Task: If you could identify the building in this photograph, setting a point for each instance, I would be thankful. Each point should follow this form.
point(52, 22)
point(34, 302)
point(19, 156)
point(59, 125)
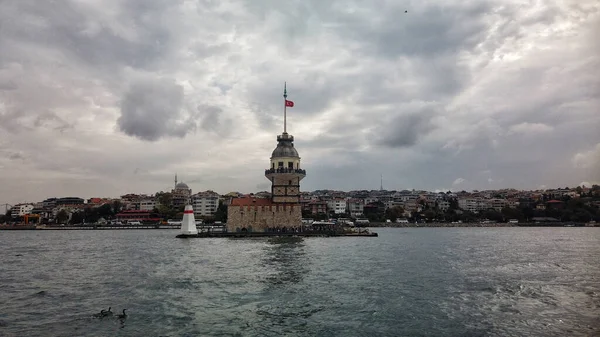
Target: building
point(147, 204)
point(205, 203)
point(337, 205)
point(283, 209)
point(316, 207)
point(135, 215)
point(355, 207)
point(69, 201)
point(182, 194)
point(21, 210)
point(443, 205)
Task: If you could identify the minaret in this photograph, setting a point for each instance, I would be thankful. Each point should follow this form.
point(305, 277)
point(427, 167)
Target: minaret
point(285, 172)
point(175, 180)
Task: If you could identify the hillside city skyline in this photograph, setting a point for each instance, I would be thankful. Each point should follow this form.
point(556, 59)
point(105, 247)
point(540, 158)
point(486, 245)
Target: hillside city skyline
point(90, 196)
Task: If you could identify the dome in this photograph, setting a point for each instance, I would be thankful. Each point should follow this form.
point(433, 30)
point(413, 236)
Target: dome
point(182, 186)
point(285, 147)
point(284, 150)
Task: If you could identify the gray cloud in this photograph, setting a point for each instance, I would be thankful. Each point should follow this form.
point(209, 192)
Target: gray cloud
point(214, 119)
point(153, 108)
point(498, 95)
point(405, 129)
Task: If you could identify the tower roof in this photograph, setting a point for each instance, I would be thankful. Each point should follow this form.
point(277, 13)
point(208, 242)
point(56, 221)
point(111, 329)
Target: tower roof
point(285, 147)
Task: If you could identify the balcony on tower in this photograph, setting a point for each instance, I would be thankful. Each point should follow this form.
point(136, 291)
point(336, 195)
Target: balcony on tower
point(285, 170)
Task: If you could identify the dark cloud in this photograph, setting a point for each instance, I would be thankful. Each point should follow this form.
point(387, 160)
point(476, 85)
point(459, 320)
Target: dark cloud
point(16, 156)
point(7, 85)
point(214, 119)
point(404, 130)
point(50, 119)
point(153, 108)
point(135, 39)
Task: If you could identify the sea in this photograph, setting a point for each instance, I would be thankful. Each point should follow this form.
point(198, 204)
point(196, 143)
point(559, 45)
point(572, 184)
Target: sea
point(406, 282)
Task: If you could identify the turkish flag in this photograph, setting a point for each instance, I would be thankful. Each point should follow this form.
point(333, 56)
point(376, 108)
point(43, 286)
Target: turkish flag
point(289, 103)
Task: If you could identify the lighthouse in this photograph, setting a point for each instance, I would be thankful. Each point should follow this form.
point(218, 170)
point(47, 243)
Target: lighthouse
point(188, 224)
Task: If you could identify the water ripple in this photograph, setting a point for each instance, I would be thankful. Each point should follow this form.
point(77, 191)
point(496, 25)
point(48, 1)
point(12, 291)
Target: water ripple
point(414, 282)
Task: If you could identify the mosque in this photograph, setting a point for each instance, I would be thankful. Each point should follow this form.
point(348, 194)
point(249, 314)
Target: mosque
point(283, 209)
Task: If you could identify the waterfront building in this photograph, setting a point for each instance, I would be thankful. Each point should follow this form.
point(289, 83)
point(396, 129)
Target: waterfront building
point(317, 207)
point(283, 209)
point(337, 205)
point(21, 210)
point(205, 203)
point(146, 204)
point(135, 215)
point(355, 207)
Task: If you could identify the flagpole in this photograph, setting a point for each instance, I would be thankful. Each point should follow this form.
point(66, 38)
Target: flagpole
point(284, 107)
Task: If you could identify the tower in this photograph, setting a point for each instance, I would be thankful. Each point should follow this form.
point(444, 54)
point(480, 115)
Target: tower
point(285, 172)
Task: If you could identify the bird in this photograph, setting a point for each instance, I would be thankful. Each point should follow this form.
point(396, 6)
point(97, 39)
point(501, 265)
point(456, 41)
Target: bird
point(107, 313)
point(124, 315)
point(101, 314)
point(405, 11)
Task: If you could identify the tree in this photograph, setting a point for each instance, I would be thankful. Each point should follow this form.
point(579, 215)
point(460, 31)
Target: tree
point(106, 211)
point(62, 216)
point(117, 206)
point(221, 213)
point(76, 218)
point(394, 213)
point(453, 204)
point(513, 213)
point(429, 214)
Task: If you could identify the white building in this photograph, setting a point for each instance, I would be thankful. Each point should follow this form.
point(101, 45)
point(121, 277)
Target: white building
point(472, 204)
point(443, 205)
point(146, 204)
point(20, 210)
point(205, 203)
point(497, 204)
point(355, 207)
point(338, 206)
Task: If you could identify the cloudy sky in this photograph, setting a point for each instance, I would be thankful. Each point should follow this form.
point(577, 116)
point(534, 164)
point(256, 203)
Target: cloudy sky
point(106, 97)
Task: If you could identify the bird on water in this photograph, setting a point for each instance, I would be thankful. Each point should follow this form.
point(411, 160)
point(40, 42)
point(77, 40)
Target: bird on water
point(108, 313)
point(124, 315)
point(100, 314)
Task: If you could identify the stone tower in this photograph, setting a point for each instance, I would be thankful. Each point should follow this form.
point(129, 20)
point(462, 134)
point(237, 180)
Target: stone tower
point(283, 210)
point(285, 172)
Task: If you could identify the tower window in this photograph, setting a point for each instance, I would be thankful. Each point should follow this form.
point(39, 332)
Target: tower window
point(273, 165)
point(280, 164)
point(290, 165)
point(290, 182)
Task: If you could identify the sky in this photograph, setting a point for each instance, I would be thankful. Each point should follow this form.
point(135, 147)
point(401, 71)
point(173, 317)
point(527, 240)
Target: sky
point(99, 98)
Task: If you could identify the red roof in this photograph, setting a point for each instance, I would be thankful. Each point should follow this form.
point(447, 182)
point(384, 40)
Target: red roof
point(251, 202)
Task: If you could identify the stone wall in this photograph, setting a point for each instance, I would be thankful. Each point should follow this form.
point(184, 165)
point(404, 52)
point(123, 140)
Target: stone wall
point(289, 199)
point(258, 218)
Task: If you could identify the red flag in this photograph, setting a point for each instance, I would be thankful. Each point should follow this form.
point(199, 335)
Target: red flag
point(289, 103)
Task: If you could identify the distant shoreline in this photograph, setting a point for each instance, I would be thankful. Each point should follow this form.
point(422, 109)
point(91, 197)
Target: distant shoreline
point(473, 224)
point(372, 225)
